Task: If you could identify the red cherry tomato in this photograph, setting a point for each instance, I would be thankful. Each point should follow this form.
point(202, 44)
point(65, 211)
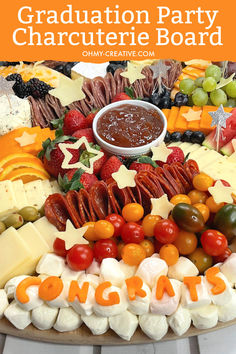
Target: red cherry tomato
point(225, 183)
point(132, 233)
point(117, 221)
point(105, 248)
point(59, 247)
point(79, 257)
point(166, 231)
point(222, 257)
point(213, 242)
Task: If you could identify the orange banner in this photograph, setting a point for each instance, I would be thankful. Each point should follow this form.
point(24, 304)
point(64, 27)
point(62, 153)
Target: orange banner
point(98, 31)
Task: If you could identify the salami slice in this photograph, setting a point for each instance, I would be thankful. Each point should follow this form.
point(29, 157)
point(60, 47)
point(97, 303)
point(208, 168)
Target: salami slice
point(85, 208)
point(57, 210)
point(118, 197)
point(99, 199)
point(73, 203)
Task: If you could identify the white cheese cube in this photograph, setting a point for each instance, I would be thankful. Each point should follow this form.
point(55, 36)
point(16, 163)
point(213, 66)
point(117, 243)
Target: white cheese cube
point(205, 317)
point(44, 317)
point(17, 316)
point(3, 302)
point(47, 230)
point(51, 264)
point(97, 324)
point(67, 320)
point(8, 200)
point(110, 270)
point(203, 296)
point(154, 326)
point(35, 193)
point(180, 321)
point(124, 324)
point(182, 268)
point(20, 195)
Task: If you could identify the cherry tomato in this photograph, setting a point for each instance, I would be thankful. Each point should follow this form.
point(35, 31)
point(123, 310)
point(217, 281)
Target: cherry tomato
point(117, 221)
point(105, 248)
point(197, 196)
point(204, 210)
point(59, 247)
point(180, 198)
point(225, 183)
point(120, 246)
point(213, 242)
point(186, 242)
point(149, 223)
point(202, 182)
point(187, 217)
point(166, 231)
point(169, 253)
point(103, 229)
point(213, 206)
point(79, 257)
point(222, 257)
point(132, 212)
point(148, 246)
point(201, 260)
point(132, 233)
point(133, 254)
point(90, 234)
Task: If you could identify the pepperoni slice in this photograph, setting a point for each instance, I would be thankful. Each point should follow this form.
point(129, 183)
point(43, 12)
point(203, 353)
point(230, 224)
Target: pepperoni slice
point(85, 208)
point(118, 197)
point(73, 203)
point(56, 210)
point(99, 200)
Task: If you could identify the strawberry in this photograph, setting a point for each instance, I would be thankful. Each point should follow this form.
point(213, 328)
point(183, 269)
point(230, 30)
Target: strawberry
point(143, 163)
point(177, 155)
point(86, 156)
point(87, 132)
point(76, 179)
point(90, 117)
point(110, 166)
point(120, 97)
point(74, 120)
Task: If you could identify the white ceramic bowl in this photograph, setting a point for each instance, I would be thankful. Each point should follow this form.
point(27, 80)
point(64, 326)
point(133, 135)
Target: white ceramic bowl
point(124, 151)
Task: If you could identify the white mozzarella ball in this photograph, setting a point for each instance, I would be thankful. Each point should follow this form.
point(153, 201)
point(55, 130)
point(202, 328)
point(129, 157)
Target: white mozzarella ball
point(44, 317)
point(140, 305)
point(97, 324)
point(94, 268)
point(85, 309)
point(225, 296)
point(69, 274)
point(180, 321)
point(124, 324)
point(204, 317)
point(61, 300)
point(110, 270)
point(93, 279)
point(228, 268)
point(67, 320)
point(127, 269)
point(17, 316)
point(168, 304)
point(34, 299)
point(51, 264)
point(150, 269)
point(203, 295)
point(3, 302)
point(227, 312)
point(154, 326)
point(182, 268)
point(12, 284)
point(112, 310)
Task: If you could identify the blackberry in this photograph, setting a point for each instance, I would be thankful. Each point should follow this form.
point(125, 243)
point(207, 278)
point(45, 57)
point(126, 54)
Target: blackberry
point(37, 88)
point(22, 90)
point(15, 77)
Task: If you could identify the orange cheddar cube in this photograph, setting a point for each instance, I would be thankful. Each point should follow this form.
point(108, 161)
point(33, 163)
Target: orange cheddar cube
point(181, 123)
point(195, 124)
point(172, 119)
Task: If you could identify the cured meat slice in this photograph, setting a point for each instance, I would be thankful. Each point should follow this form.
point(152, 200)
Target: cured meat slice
point(85, 208)
point(57, 210)
point(118, 197)
point(99, 200)
point(174, 183)
point(73, 203)
point(179, 173)
point(191, 168)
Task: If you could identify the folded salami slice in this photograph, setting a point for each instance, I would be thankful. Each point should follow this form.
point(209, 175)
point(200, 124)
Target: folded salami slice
point(175, 185)
point(118, 197)
point(99, 200)
point(86, 211)
point(191, 168)
point(179, 173)
point(73, 203)
point(57, 210)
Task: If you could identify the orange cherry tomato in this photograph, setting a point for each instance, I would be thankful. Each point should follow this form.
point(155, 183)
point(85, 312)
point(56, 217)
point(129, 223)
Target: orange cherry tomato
point(201, 260)
point(204, 210)
point(213, 206)
point(202, 182)
point(197, 196)
point(132, 212)
point(133, 254)
point(148, 246)
point(186, 242)
point(103, 229)
point(149, 223)
point(120, 247)
point(180, 198)
point(169, 253)
point(90, 234)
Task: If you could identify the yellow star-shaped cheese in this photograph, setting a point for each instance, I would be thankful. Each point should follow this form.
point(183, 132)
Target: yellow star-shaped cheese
point(192, 115)
point(68, 156)
point(161, 206)
point(124, 177)
point(68, 90)
point(221, 193)
point(232, 157)
point(72, 236)
point(160, 152)
point(26, 139)
point(133, 72)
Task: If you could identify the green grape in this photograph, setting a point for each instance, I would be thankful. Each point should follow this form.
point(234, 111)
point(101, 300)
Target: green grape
point(224, 88)
point(218, 97)
point(190, 101)
point(186, 86)
point(200, 97)
point(198, 82)
point(213, 71)
point(231, 89)
point(209, 84)
point(230, 103)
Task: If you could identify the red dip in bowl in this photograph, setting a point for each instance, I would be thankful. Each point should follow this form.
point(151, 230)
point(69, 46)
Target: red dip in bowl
point(129, 126)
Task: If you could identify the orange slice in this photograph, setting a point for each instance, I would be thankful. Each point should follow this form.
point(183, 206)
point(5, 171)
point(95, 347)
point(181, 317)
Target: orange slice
point(18, 165)
point(26, 175)
point(18, 157)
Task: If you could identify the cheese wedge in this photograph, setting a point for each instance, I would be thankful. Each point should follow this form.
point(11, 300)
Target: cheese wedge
point(47, 230)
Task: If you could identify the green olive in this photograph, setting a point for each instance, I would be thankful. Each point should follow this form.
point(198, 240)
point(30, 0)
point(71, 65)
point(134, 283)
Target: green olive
point(41, 211)
point(15, 220)
point(29, 213)
point(2, 227)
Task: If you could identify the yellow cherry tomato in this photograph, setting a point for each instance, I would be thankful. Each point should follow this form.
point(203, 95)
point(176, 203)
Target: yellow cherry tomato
point(169, 253)
point(103, 229)
point(213, 206)
point(180, 198)
point(132, 212)
point(197, 196)
point(90, 234)
point(148, 246)
point(120, 247)
point(133, 254)
point(201, 260)
point(149, 223)
point(202, 182)
point(204, 210)
point(186, 242)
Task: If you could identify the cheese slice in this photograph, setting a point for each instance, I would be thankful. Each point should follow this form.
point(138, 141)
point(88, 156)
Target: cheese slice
point(35, 193)
point(47, 230)
point(209, 158)
point(20, 195)
point(198, 153)
point(8, 203)
point(15, 256)
point(46, 187)
point(55, 187)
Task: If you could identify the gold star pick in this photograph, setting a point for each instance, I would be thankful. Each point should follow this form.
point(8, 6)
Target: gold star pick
point(68, 156)
point(72, 236)
point(161, 206)
point(26, 139)
point(160, 152)
point(124, 177)
point(192, 115)
point(133, 72)
point(68, 90)
point(221, 193)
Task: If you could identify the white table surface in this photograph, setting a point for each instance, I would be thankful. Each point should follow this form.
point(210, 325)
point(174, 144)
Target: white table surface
point(219, 342)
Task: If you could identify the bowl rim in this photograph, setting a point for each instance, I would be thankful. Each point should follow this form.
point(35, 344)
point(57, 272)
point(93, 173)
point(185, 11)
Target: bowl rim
point(121, 149)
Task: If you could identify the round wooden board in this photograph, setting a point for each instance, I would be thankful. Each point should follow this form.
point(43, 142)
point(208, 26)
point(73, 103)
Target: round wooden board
point(83, 335)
